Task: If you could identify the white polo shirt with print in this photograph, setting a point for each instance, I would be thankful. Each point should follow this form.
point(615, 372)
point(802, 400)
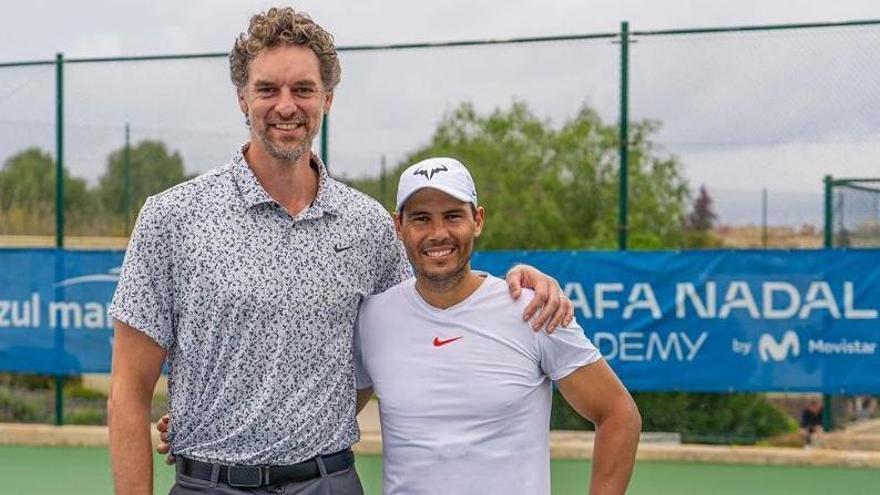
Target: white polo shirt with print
point(464, 392)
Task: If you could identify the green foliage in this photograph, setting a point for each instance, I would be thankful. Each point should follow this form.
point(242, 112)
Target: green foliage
point(27, 191)
point(80, 392)
point(27, 195)
point(738, 418)
point(699, 221)
point(86, 416)
point(545, 187)
point(14, 408)
point(35, 382)
point(152, 169)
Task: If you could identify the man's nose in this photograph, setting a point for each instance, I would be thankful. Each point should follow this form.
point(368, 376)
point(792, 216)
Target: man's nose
point(286, 105)
point(439, 230)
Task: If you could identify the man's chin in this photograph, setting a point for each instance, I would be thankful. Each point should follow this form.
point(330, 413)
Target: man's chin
point(436, 276)
point(285, 153)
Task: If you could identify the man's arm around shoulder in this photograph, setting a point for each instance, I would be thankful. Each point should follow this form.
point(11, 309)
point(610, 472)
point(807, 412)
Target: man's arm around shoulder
point(137, 364)
point(595, 392)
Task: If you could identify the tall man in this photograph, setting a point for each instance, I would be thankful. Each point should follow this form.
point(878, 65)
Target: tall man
point(464, 387)
point(248, 279)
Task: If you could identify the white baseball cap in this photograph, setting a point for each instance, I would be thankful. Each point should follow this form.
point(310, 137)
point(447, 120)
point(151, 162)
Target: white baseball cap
point(442, 173)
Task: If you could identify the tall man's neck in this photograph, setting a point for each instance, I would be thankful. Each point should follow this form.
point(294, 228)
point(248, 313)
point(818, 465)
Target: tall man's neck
point(448, 292)
point(292, 185)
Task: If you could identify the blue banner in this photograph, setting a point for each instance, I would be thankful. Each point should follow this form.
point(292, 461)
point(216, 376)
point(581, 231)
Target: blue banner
point(717, 320)
point(725, 320)
point(53, 310)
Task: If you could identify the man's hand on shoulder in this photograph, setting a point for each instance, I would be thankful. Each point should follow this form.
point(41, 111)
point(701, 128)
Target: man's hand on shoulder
point(556, 309)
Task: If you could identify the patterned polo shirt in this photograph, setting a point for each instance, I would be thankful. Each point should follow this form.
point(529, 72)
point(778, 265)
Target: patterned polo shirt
point(256, 309)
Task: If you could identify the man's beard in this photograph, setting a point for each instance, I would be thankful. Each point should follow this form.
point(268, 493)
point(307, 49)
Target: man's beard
point(445, 281)
point(284, 154)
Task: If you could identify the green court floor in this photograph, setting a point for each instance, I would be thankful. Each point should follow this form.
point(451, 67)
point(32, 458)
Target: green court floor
point(81, 471)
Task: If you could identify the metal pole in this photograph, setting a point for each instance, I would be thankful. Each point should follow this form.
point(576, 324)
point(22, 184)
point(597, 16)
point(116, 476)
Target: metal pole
point(829, 216)
point(622, 221)
point(59, 150)
point(383, 185)
point(764, 217)
point(126, 166)
point(325, 131)
point(59, 208)
point(827, 413)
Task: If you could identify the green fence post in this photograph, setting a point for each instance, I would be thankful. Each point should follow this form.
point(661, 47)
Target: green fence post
point(59, 202)
point(59, 150)
point(622, 221)
point(325, 131)
point(827, 406)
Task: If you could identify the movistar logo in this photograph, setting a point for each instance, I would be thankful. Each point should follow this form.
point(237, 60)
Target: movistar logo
point(112, 275)
point(770, 349)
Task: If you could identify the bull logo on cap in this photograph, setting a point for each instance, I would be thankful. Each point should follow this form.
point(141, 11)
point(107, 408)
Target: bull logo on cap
point(430, 173)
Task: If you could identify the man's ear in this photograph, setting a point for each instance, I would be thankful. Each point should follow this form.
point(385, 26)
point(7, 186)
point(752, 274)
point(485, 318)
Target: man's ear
point(479, 217)
point(242, 100)
point(398, 224)
point(328, 101)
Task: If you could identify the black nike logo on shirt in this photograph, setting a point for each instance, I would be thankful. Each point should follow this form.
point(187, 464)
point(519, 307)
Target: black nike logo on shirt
point(339, 249)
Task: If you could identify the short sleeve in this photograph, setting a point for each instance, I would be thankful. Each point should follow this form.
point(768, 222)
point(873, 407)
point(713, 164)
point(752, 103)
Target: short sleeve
point(566, 350)
point(144, 293)
point(394, 266)
point(362, 379)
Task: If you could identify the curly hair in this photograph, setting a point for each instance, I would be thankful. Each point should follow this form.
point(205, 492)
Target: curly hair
point(284, 26)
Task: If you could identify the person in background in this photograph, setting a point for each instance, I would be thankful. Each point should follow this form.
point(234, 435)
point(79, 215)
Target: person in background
point(811, 421)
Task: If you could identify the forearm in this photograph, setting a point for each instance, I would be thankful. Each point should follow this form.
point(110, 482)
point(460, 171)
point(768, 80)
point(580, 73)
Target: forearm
point(614, 452)
point(130, 449)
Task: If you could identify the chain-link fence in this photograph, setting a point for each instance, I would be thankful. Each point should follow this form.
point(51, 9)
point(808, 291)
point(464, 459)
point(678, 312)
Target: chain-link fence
point(854, 212)
point(755, 114)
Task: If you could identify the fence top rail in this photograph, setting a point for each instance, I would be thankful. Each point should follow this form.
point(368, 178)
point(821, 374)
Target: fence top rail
point(764, 27)
point(854, 180)
point(476, 42)
point(29, 63)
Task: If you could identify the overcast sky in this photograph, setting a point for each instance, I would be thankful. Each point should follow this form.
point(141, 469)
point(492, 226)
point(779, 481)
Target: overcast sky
point(744, 112)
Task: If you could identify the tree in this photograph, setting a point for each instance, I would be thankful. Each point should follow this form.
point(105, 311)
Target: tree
point(699, 222)
point(27, 195)
point(702, 217)
point(557, 188)
point(152, 170)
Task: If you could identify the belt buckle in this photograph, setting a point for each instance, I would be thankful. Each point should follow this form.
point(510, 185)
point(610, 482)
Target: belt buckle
point(248, 476)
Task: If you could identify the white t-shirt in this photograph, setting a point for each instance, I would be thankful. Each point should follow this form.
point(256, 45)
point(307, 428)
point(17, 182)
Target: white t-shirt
point(464, 393)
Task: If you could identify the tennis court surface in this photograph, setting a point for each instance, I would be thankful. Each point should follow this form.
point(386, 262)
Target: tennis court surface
point(85, 470)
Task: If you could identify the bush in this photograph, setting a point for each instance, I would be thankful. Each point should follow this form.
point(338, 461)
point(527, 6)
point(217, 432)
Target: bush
point(17, 409)
point(91, 416)
point(35, 382)
point(80, 392)
point(700, 417)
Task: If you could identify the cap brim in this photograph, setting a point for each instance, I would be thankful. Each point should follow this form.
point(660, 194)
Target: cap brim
point(448, 190)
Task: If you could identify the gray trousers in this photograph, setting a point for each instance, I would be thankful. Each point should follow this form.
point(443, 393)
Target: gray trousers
point(345, 482)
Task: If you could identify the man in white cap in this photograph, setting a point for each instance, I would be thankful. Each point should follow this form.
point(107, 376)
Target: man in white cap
point(464, 384)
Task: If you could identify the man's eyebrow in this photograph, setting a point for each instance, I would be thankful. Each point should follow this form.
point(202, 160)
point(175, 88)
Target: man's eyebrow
point(302, 83)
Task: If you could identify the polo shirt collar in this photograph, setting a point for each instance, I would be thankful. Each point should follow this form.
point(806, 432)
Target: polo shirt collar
point(253, 194)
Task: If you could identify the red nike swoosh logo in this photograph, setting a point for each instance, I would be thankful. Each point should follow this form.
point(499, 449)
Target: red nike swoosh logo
point(438, 342)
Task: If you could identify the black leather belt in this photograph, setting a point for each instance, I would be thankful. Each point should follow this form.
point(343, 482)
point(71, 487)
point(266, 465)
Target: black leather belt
point(256, 476)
